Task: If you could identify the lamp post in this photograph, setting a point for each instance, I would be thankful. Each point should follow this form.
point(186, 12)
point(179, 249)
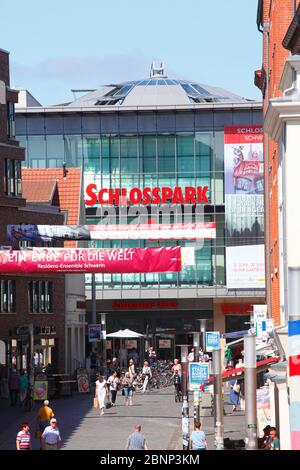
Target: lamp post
point(197, 394)
point(185, 402)
point(218, 400)
point(202, 331)
point(196, 345)
point(250, 391)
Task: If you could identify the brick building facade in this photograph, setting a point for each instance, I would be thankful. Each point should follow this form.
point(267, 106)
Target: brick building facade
point(273, 20)
point(25, 300)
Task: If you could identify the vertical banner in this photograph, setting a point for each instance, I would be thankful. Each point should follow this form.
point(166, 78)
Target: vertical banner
point(244, 205)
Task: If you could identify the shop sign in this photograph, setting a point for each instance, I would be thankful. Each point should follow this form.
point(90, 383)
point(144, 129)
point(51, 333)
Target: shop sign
point(212, 340)
point(144, 305)
point(198, 373)
point(240, 309)
point(146, 196)
point(164, 344)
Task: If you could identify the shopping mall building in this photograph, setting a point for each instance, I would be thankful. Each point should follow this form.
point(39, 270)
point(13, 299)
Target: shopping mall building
point(154, 133)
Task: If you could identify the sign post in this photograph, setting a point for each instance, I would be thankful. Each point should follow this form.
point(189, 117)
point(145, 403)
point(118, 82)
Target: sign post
point(212, 340)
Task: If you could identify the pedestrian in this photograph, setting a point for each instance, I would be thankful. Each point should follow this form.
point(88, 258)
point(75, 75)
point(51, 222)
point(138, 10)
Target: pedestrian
point(44, 416)
point(14, 387)
point(23, 386)
point(234, 393)
point(177, 367)
point(136, 440)
point(274, 439)
point(113, 382)
point(51, 438)
point(228, 355)
point(152, 356)
point(147, 374)
point(23, 440)
point(101, 393)
point(131, 369)
point(198, 439)
point(264, 442)
point(122, 357)
point(127, 388)
point(191, 356)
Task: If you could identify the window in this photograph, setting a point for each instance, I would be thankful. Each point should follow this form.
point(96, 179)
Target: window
point(11, 126)
point(40, 297)
point(8, 296)
point(12, 177)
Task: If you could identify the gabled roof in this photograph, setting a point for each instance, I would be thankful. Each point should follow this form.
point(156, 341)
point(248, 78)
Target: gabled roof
point(39, 191)
point(69, 187)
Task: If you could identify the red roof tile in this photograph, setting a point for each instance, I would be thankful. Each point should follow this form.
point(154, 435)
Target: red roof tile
point(68, 187)
point(38, 191)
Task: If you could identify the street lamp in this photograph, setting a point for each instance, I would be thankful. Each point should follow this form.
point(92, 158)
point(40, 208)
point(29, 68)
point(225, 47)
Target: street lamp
point(185, 402)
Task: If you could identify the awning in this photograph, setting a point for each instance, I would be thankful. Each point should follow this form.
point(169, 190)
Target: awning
point(124, 334)
point(238, 372)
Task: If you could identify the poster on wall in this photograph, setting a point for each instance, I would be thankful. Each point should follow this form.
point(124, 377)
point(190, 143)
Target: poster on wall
point(40, 390)
point(94, 333)
point(244, 206)
point(245, 267)
point(83, 381)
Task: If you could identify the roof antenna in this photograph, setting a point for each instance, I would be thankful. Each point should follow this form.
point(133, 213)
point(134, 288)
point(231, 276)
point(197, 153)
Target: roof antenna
point(65, 171)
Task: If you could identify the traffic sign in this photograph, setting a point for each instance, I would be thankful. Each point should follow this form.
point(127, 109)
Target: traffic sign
point(198, 373)
point(212, 340)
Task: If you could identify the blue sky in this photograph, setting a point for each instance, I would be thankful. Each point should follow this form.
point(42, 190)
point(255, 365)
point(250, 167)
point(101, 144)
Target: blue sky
point(62, 44)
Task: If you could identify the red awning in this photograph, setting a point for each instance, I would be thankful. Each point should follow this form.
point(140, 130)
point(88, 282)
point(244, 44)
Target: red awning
point(260, 366)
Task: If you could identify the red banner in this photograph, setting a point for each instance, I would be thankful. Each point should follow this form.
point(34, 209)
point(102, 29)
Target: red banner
point(127, 260)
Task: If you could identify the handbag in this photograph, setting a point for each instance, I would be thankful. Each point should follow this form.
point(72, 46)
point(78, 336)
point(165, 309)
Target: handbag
point(108, 405)
point(95, 402)
point(236, 387)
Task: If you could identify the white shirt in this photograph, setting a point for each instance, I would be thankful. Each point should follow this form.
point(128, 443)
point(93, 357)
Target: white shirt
point(191, 357)
point(101, 386)
point(113, 382)
point(51, 435)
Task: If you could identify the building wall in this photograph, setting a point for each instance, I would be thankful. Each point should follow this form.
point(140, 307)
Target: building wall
point(13, 209)
point(277, 15)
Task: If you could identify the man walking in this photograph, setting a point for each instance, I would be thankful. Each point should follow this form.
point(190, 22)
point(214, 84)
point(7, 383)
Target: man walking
point(51, 438)
point(136, 440)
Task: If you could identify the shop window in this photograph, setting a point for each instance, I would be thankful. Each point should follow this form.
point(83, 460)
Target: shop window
point(8, 296)
point(40, 297)
point(12, 177)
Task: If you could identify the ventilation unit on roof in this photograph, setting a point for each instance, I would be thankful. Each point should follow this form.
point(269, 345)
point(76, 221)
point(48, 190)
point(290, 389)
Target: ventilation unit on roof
point(157, 72)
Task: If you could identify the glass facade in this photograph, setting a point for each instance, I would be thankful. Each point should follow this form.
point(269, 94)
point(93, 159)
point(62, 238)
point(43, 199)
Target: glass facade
point(146, 149)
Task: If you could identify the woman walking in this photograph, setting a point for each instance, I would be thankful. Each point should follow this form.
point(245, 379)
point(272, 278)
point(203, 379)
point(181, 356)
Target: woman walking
point(127, 384)
point(234, 393)
point(101, 393)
